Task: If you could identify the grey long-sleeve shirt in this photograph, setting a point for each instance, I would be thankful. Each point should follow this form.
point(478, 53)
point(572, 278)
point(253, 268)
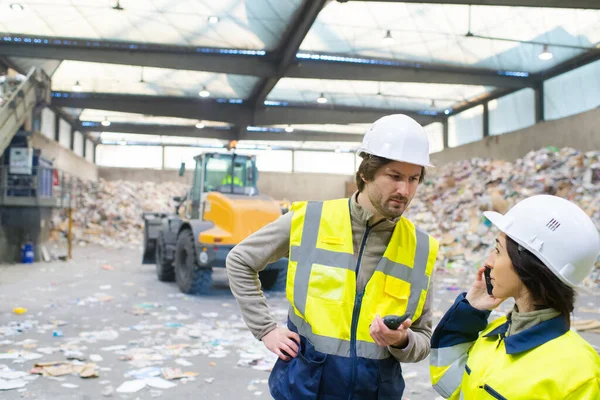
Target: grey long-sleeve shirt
point(272, 242)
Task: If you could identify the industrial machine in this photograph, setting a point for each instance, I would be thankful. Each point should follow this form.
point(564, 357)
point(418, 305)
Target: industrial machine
point(222, 208)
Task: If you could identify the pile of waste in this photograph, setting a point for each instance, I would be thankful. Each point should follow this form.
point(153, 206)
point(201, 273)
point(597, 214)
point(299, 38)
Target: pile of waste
point(451, 203)
point(109, 213)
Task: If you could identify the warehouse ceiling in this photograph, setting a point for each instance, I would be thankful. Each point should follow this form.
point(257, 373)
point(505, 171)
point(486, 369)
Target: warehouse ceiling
point(288, 70)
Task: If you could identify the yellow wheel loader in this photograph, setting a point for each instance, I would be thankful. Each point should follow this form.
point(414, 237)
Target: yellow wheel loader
point(222, 208)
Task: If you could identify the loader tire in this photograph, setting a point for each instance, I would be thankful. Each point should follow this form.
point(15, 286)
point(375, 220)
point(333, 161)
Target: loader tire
point(189, 276)
point(165, 272)
point(273, 280)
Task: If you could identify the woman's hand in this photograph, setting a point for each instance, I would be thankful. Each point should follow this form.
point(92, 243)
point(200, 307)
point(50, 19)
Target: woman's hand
point(478, 296)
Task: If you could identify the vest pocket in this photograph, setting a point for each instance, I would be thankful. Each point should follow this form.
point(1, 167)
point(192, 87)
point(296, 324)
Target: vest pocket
point(493, 393)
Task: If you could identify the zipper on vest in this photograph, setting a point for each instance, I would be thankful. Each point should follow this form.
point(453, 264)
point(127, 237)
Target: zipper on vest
point(492, 392)
point(357, 306)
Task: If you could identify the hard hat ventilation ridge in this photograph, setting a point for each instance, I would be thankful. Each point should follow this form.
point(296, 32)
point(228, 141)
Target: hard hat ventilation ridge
point(553, 224)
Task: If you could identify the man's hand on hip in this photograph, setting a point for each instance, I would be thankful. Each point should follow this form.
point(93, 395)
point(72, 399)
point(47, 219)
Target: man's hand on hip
point(281, 340)
point(384, 336)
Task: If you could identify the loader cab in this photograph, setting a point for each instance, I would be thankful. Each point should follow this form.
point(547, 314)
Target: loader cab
point(231, 174)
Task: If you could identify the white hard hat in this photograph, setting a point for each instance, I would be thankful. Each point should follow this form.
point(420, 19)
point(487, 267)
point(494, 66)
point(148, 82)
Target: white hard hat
point(397, 137)
point(556, 231)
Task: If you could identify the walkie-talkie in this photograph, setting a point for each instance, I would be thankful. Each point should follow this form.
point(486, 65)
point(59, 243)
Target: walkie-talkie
point(488, 280)
point(394, 321)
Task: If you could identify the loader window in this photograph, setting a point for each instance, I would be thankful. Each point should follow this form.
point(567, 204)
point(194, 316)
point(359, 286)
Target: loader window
point(224, 177)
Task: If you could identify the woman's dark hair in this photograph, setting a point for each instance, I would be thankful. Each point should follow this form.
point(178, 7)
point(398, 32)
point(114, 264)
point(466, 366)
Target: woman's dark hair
point(369, 167)
point(545, 288)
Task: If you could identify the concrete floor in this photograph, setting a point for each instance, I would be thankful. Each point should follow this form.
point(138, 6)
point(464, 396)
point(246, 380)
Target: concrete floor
point(91, 300)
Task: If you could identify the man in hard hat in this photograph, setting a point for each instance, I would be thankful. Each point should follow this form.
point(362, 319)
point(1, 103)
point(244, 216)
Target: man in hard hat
point(351, 263)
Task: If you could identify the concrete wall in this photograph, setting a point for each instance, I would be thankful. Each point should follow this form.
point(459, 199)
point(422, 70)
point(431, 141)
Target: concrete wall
point(581, 131)
point(65, 159)
point(279, 185)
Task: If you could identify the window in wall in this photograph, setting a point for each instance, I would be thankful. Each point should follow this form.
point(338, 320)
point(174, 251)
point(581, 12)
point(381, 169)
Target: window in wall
point(78, 144)
point(48, 121)
point(465, 127)
point(271, 160)
point(435, 135)
point(572, 92)
point(89, 150)
point(64, 134)
point(513, 112)
point(129, 156)
point(324, 162)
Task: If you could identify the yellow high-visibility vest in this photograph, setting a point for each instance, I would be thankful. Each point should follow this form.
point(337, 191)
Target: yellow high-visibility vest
point(545, 362)
point(321, 280)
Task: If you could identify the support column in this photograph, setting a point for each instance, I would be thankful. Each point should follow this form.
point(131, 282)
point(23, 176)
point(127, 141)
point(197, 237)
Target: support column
point(445, 133)
point(539, 103)
point(486, 120)
point(72, 144)
point(94, 153)
point(84, 145)
point(293, 161)
point(56, 127)
point(163, 158)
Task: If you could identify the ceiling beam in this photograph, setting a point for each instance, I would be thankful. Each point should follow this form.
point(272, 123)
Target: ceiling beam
point(591, 4)
point(214, 60)
point(539, 78)
point(222, 134)
point(569, 65)
point(162, 130)
point(235, 114)
point(422, 73)
point(139, 54)
point(288, 47)
point(166, 106)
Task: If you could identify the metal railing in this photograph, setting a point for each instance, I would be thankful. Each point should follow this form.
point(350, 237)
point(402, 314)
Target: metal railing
point(39, 187)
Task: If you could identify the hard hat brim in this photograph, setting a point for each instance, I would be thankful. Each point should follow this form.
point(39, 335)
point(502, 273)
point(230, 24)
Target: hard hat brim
point(360, 151)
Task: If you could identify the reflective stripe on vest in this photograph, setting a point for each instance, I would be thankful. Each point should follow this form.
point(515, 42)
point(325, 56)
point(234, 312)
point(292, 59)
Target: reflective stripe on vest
point(321, 284)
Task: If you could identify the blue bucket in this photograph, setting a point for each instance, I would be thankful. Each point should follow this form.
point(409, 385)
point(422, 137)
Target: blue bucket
point(27, 254)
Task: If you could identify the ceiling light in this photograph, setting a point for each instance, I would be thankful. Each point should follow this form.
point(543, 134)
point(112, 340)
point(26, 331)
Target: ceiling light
point(200, 125)
point(77, 87)
point(447, 112)
point(106, 122)
point(388, 40)
point(17, 7)
point(213, 20)
point(204, 92)
point(322, 99)
point(289, 129)
point(545, 54)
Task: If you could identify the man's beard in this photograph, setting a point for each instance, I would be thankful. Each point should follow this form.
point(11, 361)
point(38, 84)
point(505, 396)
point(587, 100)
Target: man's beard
point(382, 207)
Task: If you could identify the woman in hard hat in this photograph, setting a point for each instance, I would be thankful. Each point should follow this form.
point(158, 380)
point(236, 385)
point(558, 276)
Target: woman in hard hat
point(546, 248)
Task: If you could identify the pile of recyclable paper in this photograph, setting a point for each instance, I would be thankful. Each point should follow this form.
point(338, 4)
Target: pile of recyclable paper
point(451, 203)
point(109, 213)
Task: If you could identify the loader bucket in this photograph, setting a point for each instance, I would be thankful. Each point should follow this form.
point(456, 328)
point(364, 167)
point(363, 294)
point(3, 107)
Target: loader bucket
point(152, 226)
